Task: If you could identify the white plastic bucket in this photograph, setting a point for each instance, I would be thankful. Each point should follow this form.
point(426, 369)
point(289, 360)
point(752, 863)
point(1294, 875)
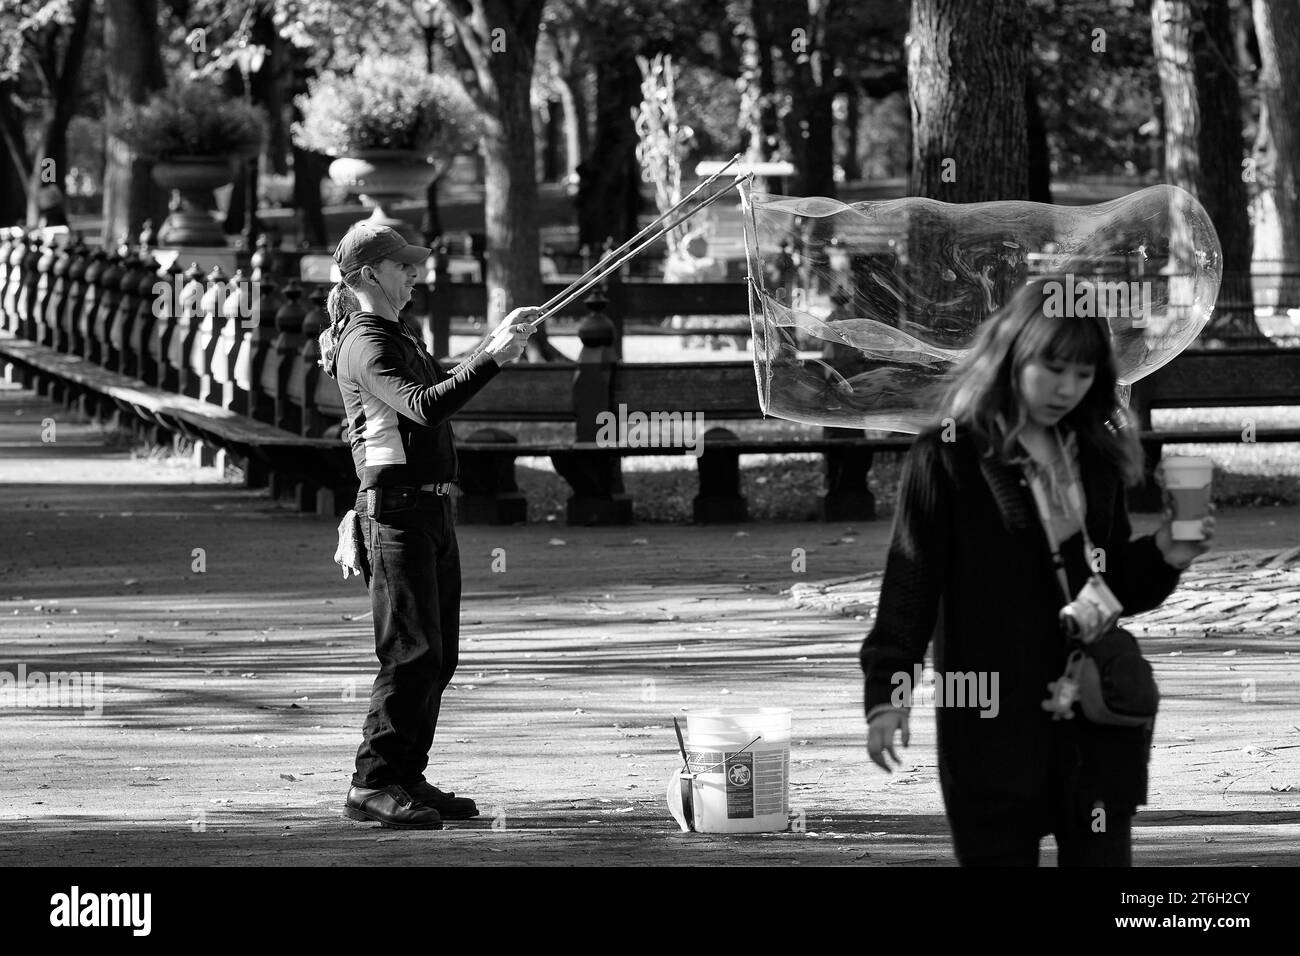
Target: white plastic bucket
point(739, 771)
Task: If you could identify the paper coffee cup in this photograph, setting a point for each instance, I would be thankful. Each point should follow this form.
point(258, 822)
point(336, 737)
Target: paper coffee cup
point(1187, 484)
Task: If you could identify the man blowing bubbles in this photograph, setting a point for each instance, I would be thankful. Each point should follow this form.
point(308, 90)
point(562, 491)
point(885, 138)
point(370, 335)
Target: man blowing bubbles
point(398, 403)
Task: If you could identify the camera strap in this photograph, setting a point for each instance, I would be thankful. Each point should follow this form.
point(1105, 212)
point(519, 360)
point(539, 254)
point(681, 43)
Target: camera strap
point(1074, 492)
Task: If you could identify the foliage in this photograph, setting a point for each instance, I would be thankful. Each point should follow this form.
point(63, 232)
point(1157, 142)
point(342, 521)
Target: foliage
point(386, 103)
point(1094, 74)
point(335, 34)
point(708, 102)
point(191, 119)
point(24, 21)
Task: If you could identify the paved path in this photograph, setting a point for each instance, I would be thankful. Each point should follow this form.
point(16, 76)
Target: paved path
point(233, 696)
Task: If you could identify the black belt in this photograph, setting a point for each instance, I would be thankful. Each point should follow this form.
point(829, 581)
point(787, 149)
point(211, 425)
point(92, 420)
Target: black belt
point(375, 501)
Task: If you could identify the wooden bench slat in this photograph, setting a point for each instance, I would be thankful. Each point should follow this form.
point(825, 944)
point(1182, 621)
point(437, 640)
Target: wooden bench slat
point(121, 388)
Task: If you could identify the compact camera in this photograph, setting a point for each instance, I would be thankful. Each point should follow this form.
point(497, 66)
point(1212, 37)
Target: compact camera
point(1093, 610)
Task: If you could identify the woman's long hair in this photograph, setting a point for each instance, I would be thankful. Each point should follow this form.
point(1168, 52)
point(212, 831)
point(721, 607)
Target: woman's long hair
point(340, 306)
point(984, 392)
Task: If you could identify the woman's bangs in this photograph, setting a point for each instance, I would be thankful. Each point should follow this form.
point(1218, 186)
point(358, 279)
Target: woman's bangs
point(1065, 339)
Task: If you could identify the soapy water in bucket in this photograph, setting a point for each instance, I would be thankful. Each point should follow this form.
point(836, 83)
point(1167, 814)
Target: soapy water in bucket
point(887, 296)
point(739, 772)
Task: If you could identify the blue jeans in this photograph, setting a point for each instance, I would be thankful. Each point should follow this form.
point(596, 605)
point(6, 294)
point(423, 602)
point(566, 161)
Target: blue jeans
point(413, 573)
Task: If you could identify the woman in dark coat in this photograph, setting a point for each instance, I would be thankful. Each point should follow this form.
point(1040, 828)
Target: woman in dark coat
point(970, 564)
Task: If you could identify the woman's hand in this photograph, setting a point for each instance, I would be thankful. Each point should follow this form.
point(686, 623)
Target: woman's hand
point(1180, 554)
point(880, 736)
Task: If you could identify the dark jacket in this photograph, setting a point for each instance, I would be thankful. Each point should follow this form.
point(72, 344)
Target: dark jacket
point(970, 564)
point(399, 402)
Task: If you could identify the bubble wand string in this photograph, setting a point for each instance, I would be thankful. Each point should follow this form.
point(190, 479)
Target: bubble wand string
point(723, 762)
point(612, 262)
point(650, 226)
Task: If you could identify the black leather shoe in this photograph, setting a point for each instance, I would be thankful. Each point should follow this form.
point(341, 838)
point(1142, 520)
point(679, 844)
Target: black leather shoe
point(448, 805)
point(392, 807)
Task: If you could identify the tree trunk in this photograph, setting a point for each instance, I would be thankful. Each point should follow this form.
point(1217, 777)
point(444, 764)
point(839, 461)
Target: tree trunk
point(1277, 149)
point(553, 136)
point(751, 21)
point(967, 73)
point(852, 123)
point(1203, 140)
point(54, 145)
point(233, 224)
point(819, 157)
point(498, 38)
point(609, 188)
point(510, 205)
point(269, 87)
point(573, 97)
point(308, 170)
point(431, 226)
point(1040, 157)
point(768, 132)
point(17, 161)
point(13, 199)
point(966, 77)
point(812, 84)
point(133, 69)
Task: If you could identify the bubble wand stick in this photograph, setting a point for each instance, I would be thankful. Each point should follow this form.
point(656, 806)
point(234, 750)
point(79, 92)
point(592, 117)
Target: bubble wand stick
point(617, 258)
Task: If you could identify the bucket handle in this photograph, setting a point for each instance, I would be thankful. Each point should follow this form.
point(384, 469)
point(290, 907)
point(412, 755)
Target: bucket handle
point(681, 785)
point(734, 752)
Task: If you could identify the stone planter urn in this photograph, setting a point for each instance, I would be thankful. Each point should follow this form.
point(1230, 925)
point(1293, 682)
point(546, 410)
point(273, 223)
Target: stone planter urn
point(192, 180)
point(382, 177)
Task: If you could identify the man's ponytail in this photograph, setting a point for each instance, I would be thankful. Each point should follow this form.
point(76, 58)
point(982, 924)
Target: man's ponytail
point(339, 307)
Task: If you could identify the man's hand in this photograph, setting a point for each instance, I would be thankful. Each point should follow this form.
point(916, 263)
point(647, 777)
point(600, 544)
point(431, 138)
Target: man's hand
point(881, 730)
point(508, 339)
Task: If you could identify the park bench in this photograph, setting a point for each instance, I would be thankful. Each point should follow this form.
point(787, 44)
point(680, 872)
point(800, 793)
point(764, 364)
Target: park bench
point(261, 449)
point(236, 371)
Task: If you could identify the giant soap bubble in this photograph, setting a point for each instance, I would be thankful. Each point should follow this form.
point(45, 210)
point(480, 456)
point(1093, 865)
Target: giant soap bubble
point(886, 296)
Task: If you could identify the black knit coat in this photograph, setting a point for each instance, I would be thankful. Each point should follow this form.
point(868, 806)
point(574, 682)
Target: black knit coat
point(970, 565)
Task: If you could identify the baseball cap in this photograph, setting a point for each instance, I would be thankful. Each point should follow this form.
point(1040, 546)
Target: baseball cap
point(367, 242)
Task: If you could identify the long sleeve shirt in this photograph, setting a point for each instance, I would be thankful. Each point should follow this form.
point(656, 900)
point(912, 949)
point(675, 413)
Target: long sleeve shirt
point(399, 402)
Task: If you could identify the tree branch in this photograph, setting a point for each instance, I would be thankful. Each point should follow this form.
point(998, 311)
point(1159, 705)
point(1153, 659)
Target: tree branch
point(11, 128)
